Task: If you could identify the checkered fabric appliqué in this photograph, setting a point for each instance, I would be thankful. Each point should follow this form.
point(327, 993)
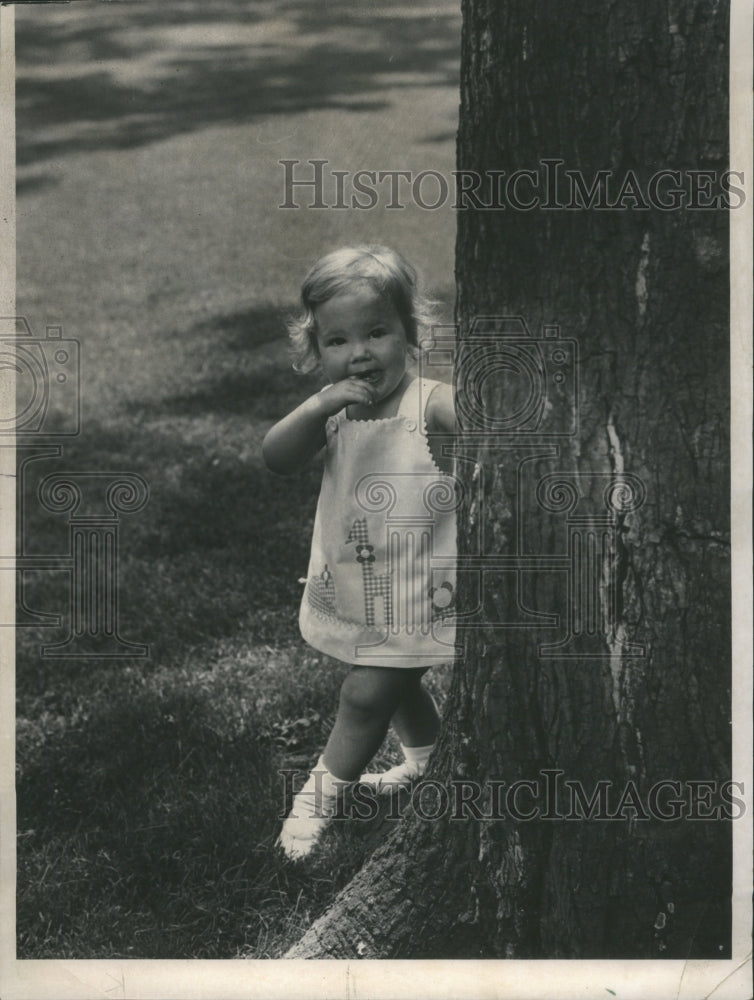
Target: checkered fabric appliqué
point(374, 585)
point(359, 532)
point(320, 591)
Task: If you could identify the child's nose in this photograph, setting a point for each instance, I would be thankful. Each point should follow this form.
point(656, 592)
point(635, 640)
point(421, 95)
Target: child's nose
point(360, 351)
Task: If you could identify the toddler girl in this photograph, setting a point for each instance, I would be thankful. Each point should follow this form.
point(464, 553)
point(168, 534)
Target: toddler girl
point(379, 588)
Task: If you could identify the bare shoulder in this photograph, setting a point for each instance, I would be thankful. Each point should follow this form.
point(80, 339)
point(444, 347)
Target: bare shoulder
point(440, 412)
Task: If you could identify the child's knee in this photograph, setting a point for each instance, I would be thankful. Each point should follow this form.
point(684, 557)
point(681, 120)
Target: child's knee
point(371, 691)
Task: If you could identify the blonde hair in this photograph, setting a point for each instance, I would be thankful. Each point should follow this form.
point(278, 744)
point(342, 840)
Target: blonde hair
point(388, 273)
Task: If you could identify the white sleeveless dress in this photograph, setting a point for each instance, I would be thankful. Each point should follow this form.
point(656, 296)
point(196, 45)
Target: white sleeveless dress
point(380, 587)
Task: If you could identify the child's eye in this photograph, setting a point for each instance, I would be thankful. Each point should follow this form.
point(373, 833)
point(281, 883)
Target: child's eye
point(378, 332)
point(334, 341)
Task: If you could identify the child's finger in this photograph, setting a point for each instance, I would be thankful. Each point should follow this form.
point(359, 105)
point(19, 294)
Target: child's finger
point(362, 387)
point(369, 392)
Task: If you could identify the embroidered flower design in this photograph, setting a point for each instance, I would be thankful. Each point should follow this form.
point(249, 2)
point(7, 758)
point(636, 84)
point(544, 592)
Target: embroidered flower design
point(369, 557)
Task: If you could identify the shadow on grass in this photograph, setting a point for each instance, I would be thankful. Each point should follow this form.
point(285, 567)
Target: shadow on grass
point(30, 185)
point(219, 547)
point(188, 71)
point(146, 824)
point(241, 330)
point(261, 395)
point(222, 542)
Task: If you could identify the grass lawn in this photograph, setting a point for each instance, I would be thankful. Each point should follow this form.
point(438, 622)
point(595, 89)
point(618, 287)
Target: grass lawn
point(149, 141)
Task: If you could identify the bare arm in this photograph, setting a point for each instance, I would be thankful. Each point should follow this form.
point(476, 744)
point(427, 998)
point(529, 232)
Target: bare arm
point(441, 413)
point(293, 441)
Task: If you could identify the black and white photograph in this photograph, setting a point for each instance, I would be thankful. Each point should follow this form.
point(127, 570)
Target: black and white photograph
point(375, 418)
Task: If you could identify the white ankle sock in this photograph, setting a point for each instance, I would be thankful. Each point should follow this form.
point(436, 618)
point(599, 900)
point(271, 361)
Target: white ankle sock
point(413, 766)
point(418, 755)
point(312, 809)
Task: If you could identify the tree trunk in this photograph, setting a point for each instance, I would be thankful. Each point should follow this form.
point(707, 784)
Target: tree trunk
point(617, 528)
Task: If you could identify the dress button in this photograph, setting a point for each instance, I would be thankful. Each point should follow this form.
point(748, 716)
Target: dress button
point(410, 425)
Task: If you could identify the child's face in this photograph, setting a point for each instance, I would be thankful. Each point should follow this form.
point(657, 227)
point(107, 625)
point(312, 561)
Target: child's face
point(360, 335)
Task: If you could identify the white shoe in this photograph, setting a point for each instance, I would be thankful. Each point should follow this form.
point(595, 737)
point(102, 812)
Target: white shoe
point(300, 834)
point(312, 809)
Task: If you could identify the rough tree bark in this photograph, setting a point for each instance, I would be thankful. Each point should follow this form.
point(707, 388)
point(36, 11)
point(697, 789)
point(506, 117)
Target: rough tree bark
point(642, 87)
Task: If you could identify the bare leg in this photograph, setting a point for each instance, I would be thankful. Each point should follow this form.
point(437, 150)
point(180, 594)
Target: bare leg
point(369, 698)
point(416, 720)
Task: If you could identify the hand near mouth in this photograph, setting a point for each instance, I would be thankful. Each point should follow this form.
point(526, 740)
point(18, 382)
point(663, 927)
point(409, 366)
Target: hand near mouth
point(353, 389)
